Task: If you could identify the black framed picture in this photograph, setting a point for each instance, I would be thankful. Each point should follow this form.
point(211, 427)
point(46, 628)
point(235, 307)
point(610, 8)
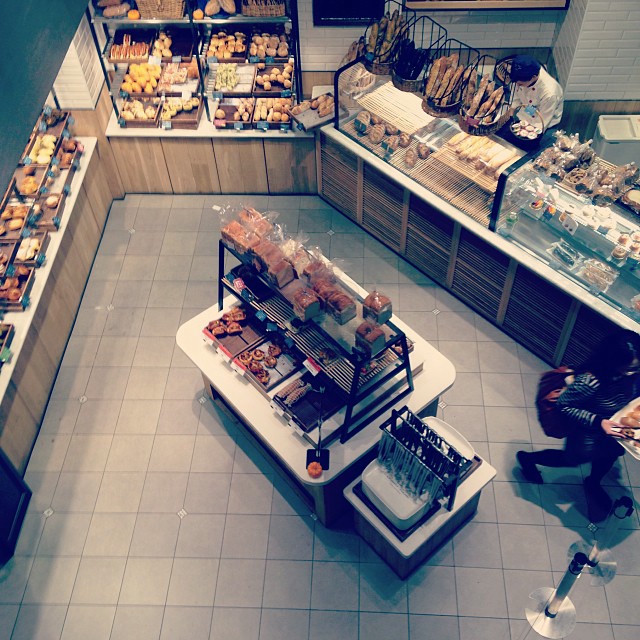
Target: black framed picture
point(336, 13)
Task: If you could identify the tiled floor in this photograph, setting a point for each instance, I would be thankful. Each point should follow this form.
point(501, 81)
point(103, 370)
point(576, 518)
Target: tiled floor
point(152, 516)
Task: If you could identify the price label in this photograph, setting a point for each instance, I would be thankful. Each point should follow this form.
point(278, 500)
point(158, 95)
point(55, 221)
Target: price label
point(238, 126)
point(224, 353)
point(186, 95)
point(26, 160)
point(254, 59)
point(300, 126)
point(42, 126)
point(297, 429)
point(65, 134)
point(25, 233)
point(359, 126)
point(289, 342)
point(10, 271)
point(5, 355)
point(122, 122)
point(155, 60)
point(47, 110)
point(246, 295)
point(271, 326)
point(56, 222)
point(40, 259)
point(238, 368)
point(284, 128)
point(208, 340)
point(212, 59)
point(176, 58)
point(262, 125)
point(285, 93)
point(71, 121)
point(124, 94)
point(166, 124)
point(261, 315)
point(66, 189)
point(312, 366)
point(277, 408)
point(568, 223)
point(269, 59)
point(55, 161)
point(217, 95)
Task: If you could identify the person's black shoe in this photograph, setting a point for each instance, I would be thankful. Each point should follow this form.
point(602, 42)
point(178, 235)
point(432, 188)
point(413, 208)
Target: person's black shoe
point(529, 469)
point(598, 501)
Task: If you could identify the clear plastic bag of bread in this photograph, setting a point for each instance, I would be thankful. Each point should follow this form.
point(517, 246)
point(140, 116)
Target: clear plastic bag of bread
point(627, 173)
point(566, 142)
point(376, 306)
point(589, 183)
point(319, 267)
point(568, 161)
point(234, 234)
point(584, 152)
point(259, 223)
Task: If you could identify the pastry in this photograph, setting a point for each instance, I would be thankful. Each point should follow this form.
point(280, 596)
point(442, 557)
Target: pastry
point(245, 358)
point(391, 129)
point(52, 202)
point(296, 395)
point(410, 158)
point(619, 252)
point(262, 377)
point(536, 205)
point(364, 118)
point(290, 388)
point(234, 328)
point(423, 150)
point(219, 331)
point(29, 185)
point(257, 355)
point(370, 338)
point(376, 133)
point(404, 140)
point(255, 367)
point(270, 362)
point(377, 307)
point(274, 350)
point(391, 143)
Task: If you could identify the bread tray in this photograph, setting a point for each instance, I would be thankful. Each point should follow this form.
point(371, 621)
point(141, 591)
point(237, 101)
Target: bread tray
point(8, 248)
point(265, 125)
point(229, 106)
point(39, 258)
point(145, 36)
point(632, 446)
point(184, 119)
point(39, 176)
point(244, 88)
point(309, 119)
point(287, 364)
point(22, 302)
point(6, 336)
point(230, 346)
point(45, 218)
point(239, 57)
point(151, 123)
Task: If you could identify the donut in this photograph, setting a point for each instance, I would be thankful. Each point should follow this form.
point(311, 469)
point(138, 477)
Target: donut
point(257, 355)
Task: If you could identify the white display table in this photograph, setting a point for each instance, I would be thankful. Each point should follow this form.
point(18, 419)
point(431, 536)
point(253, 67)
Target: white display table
point(280, 441)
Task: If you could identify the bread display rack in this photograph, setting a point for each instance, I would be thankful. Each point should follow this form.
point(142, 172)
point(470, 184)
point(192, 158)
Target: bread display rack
point(356, 375)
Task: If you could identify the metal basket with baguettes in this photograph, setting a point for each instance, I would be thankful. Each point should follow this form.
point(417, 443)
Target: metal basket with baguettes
point(263, 8)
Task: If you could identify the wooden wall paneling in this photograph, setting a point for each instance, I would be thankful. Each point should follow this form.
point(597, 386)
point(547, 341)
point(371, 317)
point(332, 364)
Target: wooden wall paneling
point(453, 256)
point(589, 329)
point(382, 207)
point(318, 164)
point(84, 232)
point(506, 291)
point(405, 220)
point(567, 330)
point(96, 188)
point(311, 79)
point(141, 165)
point(581, 116)
point(16, 441)
point(191, 165)
point(291, 165)
point(94, 123)
point(359, 190)
point(241, 166)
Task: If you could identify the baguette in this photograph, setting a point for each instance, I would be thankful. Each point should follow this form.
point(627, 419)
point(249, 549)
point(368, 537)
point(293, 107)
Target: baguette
point(488, 105)
point(477, 99)
point(489, 152)
point(459, 137)
point(502, 167)
point(474, 148)
point(445, 82)
point(477, 150)
point(499, 159)
point(433, 74)
point(465, 144)
point(471, 89)
point(441, 73)
point(451, 88)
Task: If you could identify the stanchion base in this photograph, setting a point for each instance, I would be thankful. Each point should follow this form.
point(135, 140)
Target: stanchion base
point(604, 572)
point(560, 626)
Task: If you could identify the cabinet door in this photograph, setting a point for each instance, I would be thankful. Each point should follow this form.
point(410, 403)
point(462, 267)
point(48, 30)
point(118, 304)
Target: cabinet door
point(141, 165)
point(382, 201)
point(241, 166)
point(339, 177)
point(191, 165)
point(14, 499)
point(291, 165)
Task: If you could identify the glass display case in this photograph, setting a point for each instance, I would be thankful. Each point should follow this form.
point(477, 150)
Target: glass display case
point(597, 247)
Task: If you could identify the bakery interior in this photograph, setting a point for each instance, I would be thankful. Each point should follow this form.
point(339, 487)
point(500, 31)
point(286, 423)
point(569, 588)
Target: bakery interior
point(278, 280)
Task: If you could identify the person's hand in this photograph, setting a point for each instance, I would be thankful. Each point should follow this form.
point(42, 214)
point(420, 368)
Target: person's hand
point(607, 427)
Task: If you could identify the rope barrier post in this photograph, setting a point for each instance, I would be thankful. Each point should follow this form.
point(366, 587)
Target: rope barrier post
point(553, 615)
point(601, 565)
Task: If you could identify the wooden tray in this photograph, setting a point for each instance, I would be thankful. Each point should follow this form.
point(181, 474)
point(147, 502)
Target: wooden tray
point(231, 346)
point(28, 150)
point(39, 175)
point(181, 46)
point(39, 259)
point(274, 31)
point(146, 36)
point(8, 248)
point(229, 106)
point(26, 282)
point(42, 128)
point(46, 218)
point(6, 336)
point(264, 125)
point(277, 90)
point(187, 119)
point(142, 124)
point(244, 89)
point(235, 57)
point(309, 119)
point(286, 366)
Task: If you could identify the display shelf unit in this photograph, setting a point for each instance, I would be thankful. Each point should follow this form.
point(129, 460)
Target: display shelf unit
point(200, 36)
point(347, 372)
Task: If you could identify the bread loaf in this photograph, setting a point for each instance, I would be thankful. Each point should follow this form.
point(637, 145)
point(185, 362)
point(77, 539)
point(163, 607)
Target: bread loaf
point(444, 83)
point(452, 88)
point(477, 99)
point(433, 74)
point(114, 11)
point(474, 148)
point(458, 138)
point(376, 133)
point(499, 159)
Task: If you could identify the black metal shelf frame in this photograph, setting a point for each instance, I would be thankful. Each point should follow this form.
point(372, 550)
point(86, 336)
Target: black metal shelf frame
point(354, 421)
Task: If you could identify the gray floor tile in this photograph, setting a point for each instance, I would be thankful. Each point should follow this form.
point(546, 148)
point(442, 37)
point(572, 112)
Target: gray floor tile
point(125, 322)
point(564, 505)
point(76, 491)
point(250, 493)
point(381, 590)
point(70, 383)
point(138, 268)
point(186, 623)
point(179, 243)
point(107, 267)
point(213, 454)
point(120, 492)
point(245, 536)
point(333, 625)
point(240, 583)
point(423, 627)
point(80, 351)
point(507, 424)
point(152, 219)
point(155, 535)
point(116, 351)
point(235, 624)
point(524, 547)
point(485, 629)
point(98, 581)
point(468, 420)
point(43, 486)
point(518, 503)
point(502, 389)
point(14, 575)
point(433, 590)
point(207, 243)
point(153, 352)
point(335, 585)
point(200, 294)
point(486, 331)
point(315, 220)
point(172, 453)
point(248, 459)
point(40, 622)
point(456, 326)
point(179, 417)
point(129, 453)
point(424, 324)
point(283, 623)
point(110, 534)
point(90, 321)
point(97, 417)
point(61, 416)
point(466, 390)
point(184, 219)
point(114, 243)
point(477, 545)
point(8, 615)
point(138, 416)
point(87, 452)
point(625, 632)
point(464, 355)
point(173, 267)
point(208, 492)
point(30, 533)
point(142, 623)
point(188, 201)
point(97, 293)
point(200, 536)
point(518, 586)
point(146, 383)
point(163, 492)
point(167, 294)
point(416, 297)
point(193, 582)
point(107, 383)
point(146, 581)
point(503, 459)
point(131, 293)
point(290, 538)
point(183, 384)
point(51, 580)
point(335, 545)
point(347, 245)
point(481, 593)
point(379, 626)
point(498, 357)
point(145, 243)
point(161, 322)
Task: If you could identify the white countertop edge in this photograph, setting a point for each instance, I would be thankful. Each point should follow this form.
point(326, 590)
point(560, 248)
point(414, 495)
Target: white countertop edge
point(466, 491)
point(22, 319)
point(525, 259)
point(205, 130)
point(437, 376)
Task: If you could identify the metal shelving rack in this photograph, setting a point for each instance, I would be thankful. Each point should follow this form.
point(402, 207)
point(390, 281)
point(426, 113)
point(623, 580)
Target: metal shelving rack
point(280, 315)
point(200, 33)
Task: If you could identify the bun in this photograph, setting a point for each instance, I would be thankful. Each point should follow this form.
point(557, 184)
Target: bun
point(630, 422)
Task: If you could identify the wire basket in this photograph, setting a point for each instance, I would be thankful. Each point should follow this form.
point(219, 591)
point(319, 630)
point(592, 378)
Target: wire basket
point(161, 8)
point(415, 50)
point(444, 89)
point(534, 119)
point(380, 51)
point(486, 100)
point(264, 8)
point(352, 83)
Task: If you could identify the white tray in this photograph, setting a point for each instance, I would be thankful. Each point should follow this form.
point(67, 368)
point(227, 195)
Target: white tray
point(632, 446)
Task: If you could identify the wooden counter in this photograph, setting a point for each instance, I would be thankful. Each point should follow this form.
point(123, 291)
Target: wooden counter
point(43, 329)
point(210, 160)
point(552, 316)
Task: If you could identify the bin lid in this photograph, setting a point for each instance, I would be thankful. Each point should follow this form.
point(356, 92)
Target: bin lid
point(620, 128)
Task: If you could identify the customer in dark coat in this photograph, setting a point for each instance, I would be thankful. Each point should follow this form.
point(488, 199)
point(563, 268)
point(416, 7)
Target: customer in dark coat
point(602, 385)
